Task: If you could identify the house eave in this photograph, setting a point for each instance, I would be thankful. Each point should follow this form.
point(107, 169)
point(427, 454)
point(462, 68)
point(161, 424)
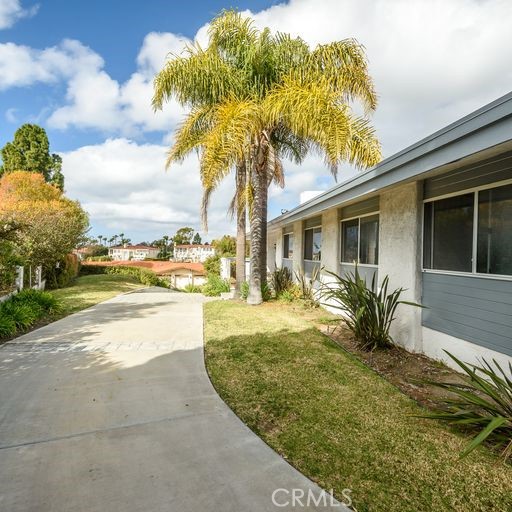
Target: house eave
point(487, 128)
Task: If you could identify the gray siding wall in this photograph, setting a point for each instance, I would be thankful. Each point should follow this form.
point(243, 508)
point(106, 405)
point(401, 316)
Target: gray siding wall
point(489, 171)
point(365, 272)
point(472, 308)
point(363, 207)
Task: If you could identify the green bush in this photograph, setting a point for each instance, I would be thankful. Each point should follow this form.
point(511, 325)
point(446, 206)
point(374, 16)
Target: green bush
point(193, 288)
point(483, 402)
point(143, 275)
point(24, 309)
point(212, 265)
point(244, 290)
point(7, 327)
point(369, 311)
point(292, 294)
point(281, 280)
point(65, 273)
point(215, 285)
point(99, 258)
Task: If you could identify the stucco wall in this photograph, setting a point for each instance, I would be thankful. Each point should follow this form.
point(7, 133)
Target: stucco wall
point(400, 257)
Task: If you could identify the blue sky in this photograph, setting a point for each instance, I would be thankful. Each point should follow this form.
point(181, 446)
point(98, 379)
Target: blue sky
point(83, 70)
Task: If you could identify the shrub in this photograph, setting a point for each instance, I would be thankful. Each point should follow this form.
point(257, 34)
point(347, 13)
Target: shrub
point(45, 300)
point(244, 290)
point(307, 284)
point(143, 275)
point(23, 315)
point(99, 258)
point(65, 273)
point(7, 326)
point(24, 309)
point(193, 288)
point(483, 401)
point(281, 280)
point(369, 312)
point(215, 286)
point(212, 265)
point(291, 294)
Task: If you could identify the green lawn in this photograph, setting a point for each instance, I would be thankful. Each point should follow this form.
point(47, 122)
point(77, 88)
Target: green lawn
point(89, 290)
point(338, 421)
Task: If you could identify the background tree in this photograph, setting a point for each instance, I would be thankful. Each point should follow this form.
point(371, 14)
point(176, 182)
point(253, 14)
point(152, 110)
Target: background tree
point(256, 97)
point(197, 239)
point(51, 224)
point(8, 257)
point(30, 151)
point(225, 246)
point(183, 236)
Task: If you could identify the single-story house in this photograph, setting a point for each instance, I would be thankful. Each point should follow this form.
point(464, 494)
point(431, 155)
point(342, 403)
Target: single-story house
point(437, 219)
point(132, 252)
point(193, 252)
point(183, 274)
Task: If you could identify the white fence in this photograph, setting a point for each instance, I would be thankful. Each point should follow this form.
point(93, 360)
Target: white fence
point(35, 281)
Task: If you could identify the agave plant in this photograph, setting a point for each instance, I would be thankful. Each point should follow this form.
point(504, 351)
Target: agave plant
point(483, 401)
point(368, 311)
point(307, 284)
point(281, 280)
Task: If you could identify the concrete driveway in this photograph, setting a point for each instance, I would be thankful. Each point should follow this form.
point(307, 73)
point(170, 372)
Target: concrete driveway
point(111, 410)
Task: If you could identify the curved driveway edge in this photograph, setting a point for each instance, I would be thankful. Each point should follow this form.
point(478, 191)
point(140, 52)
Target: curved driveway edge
point(111, 409)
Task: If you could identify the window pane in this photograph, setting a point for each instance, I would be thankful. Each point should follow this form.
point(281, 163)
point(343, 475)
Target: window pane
point(350, 232)
point(369, 243)
point(317, 244)
point(308, 244)
point(286, 239)
point(495, 231)
point(453, 233)
point(290, 246)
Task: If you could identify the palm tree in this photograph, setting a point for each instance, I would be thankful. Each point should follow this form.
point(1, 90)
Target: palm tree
point(257, 97)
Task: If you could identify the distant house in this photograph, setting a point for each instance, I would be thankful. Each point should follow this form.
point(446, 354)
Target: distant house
point(132, 252)
point(193, 252)
point(180, 275)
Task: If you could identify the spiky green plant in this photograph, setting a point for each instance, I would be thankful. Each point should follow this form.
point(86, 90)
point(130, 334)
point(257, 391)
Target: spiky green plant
point(307, 283)
point(281, 280)
point(483, 401)
point(257, 97)
point(368, 310)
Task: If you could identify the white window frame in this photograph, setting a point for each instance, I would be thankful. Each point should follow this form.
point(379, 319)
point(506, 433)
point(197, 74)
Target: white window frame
point(304, 246)
point(340, 245)
point(475, 191)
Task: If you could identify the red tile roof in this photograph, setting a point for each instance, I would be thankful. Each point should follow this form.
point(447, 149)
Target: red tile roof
point(192, 246)
point(159, 267)
point(134, 247)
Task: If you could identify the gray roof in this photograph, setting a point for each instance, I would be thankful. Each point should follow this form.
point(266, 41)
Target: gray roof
point(485, 128)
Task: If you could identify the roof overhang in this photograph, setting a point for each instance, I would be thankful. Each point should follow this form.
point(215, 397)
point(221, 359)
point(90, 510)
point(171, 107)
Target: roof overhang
point(485, 132)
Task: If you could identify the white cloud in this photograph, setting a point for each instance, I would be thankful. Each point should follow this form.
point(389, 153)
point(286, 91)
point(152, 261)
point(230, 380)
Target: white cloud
point(11, 11)
point(124, 187)
point(432, 62)
point(121, 108)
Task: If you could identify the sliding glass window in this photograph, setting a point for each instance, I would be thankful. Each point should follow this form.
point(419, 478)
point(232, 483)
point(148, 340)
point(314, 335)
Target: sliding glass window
point(313, 244)
point(470, 233)
point(288, 246)
point(360, 240)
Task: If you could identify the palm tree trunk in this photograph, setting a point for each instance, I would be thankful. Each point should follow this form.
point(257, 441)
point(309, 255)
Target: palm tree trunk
point(258, 228)
point(240, 227)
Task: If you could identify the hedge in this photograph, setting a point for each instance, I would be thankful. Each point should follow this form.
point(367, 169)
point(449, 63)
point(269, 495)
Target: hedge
point(143, 275)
